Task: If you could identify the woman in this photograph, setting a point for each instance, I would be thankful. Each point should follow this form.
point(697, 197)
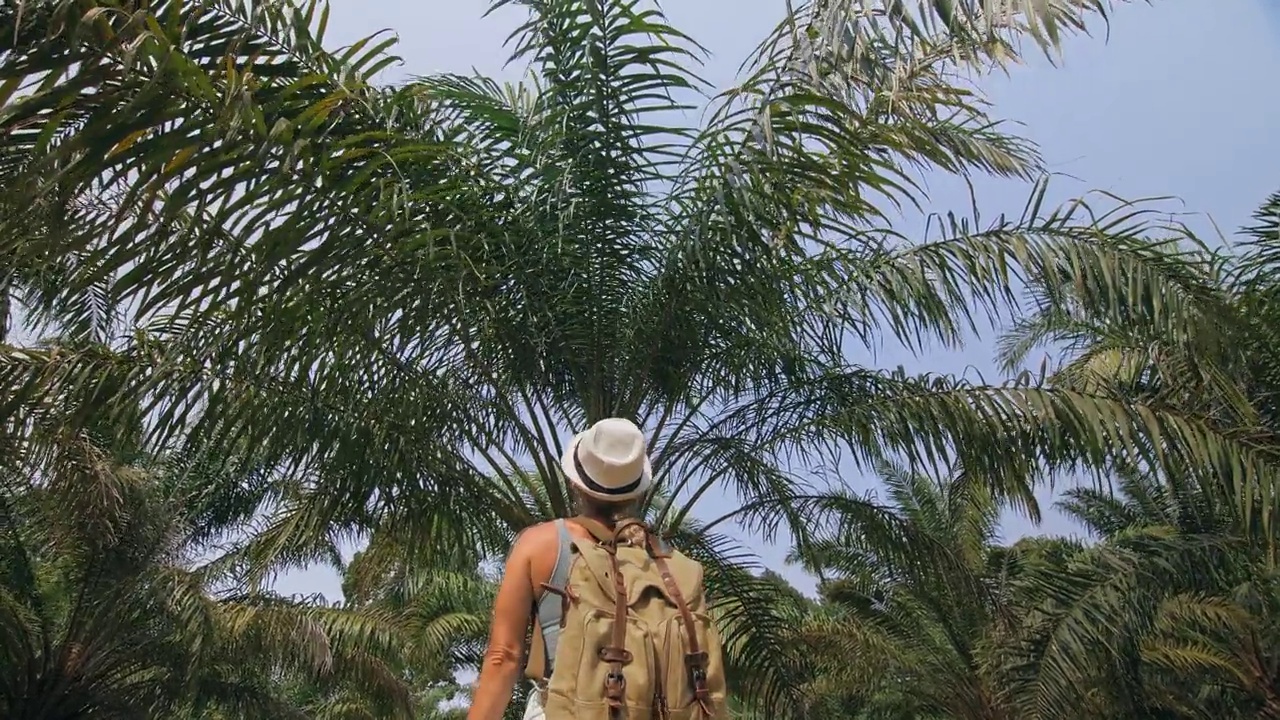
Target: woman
point(608, 469)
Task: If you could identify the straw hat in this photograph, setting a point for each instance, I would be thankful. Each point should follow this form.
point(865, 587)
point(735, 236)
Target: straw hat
point(609, 461)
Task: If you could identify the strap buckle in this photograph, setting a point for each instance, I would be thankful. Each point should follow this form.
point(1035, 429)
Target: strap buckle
point(615, 688)
point(697, 665)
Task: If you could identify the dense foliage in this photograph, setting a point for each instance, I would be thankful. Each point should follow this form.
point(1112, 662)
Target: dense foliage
point(281, 311)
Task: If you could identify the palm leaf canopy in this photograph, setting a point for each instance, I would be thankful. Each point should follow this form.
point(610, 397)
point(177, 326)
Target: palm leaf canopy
point(1168, 615)
point(1171, 615)
point(1204, 346)
point(109, 608)
point(902, 627)
point(453, 269)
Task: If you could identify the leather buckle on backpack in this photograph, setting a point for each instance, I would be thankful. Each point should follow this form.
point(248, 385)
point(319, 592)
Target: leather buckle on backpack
point(697, 665)
point(622, 656)
point(615, 688)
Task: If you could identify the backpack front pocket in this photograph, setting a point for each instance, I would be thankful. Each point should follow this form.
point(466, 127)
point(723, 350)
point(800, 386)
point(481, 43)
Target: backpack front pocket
point(679, 677)
point(578, 686)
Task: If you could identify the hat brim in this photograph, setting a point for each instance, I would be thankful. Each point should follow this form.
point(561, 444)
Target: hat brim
point(567, 466)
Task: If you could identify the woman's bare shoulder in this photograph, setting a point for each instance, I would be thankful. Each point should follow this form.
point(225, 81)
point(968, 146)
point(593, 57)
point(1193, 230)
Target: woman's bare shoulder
point(536, 538)
point(542, 540)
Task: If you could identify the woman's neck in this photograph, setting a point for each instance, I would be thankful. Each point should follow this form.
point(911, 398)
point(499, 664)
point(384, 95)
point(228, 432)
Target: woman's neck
point(606, 520)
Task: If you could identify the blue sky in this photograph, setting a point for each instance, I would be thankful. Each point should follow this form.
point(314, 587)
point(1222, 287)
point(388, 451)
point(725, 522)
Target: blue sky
point(1175, 102)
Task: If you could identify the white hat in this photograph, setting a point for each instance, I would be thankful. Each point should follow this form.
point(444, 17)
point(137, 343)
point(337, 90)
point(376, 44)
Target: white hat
point(609, 461)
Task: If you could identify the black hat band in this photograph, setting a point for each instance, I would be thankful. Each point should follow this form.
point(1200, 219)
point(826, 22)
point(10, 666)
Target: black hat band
point(596, 487)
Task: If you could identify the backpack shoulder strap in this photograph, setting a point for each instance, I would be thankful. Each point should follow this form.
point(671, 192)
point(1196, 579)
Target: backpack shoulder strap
point(658, 548)
point(696, 658)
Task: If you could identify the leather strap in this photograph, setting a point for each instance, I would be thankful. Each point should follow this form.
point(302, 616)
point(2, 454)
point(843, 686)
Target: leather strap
point(625, 523)
point(615, 684)
point(616, 654)
point(659, 551)
point(604, 534)
point(566, 594)
point(657, 548)
point(695, 659)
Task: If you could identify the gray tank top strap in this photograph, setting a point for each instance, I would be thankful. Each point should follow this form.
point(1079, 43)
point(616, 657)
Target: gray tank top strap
point(550, 607)
point(560, 575)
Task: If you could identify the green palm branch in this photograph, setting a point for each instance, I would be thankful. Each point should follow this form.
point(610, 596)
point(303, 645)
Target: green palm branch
point(1202, 344)
point(115, 625)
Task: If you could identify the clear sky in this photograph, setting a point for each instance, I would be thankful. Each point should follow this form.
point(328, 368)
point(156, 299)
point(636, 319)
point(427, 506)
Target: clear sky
point(1176, 102)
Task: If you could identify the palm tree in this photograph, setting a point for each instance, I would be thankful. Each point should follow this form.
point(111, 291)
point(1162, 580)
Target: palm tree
point(1172, 615)
point(115, 601)
point(402, 297)
point(102, 619)
point(443, 606)
point(904, 632)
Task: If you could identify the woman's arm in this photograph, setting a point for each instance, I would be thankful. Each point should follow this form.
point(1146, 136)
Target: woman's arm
point(502, 665)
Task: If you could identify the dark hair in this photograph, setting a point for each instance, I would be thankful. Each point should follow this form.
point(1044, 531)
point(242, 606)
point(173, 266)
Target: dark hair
point(611, 512)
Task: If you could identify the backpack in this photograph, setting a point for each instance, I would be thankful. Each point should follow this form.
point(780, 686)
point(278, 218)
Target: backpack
point(634, 638)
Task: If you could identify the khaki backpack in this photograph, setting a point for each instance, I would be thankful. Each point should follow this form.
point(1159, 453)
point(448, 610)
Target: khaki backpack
point(635, 641)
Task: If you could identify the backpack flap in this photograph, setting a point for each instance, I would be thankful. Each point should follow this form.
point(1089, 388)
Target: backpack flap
point(640, 574)
point(687, 577)
point(599, 564)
